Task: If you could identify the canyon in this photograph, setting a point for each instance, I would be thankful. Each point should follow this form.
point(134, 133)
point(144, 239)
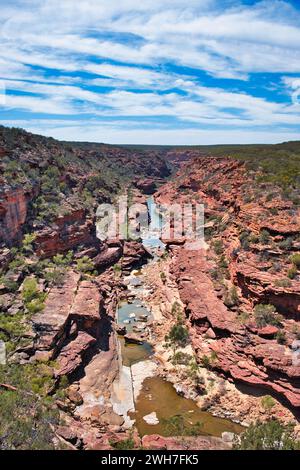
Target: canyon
point(75, 297)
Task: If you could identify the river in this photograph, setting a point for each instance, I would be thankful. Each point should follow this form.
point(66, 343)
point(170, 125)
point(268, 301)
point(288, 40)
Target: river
point(139, 392)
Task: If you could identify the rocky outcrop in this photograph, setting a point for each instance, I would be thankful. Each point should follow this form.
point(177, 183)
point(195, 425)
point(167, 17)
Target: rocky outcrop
point(71, 356)
point(191, 271)
point(147, 185)
point(67, 233)
point(13, 212)
point(156, 442)
point(134, 255)
point(252, 253)
point(70, 323)
point(108, 256)
point(261, 287)
point(53, 323)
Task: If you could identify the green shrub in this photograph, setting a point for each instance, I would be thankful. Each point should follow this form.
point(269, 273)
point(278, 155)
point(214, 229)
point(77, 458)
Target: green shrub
point(27, 244)
point(295, 259)
point(208, 361)
point(85, 265)
point(244, 239)
point(271, 435)
point(292, 272)
point(9, 284)
point(177, 312)
point(32, 297)
point(179, 425)
point(223, 263)
point(286, 244)
point(281, 337)
point(63, 261)
point(264, 237)
point(231, 297)
point(27, 415)
point(55, 276)
point(117, 268)
point(181, 358)
point(178, 336)
point(266, 315)
point(218, 247)
point(283, 283)
point(267, 402)
point(125, 444)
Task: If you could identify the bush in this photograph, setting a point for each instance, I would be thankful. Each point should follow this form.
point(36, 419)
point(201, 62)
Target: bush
point(266, 315)
point(231, 298)
point(281, 337)
point(177, 312)
point(32, 297)
point(178, 336)
point(267, 402)
point(63, 261)
point(181, 358)
point(117, 268)
point(9, 284)
point(282, 283)
point(286, 244)
point(264, 237)
point(27, 414)
point(27, 244)
point(55, 276)
point(208, 361)
point(244, 239)
point(179, 425)
point(218, 247)
point(85, 265)
point(295, 259)
point(271, 435)
point(125, 444)
point(292, 272)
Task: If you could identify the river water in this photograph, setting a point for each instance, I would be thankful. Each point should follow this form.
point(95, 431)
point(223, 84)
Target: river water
point(156, 394)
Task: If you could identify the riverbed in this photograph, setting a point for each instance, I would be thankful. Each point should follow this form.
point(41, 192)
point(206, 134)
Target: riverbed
point(139, 392)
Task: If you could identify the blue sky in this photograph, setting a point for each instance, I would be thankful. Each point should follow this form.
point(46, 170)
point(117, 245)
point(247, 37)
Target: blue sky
point(152, 72)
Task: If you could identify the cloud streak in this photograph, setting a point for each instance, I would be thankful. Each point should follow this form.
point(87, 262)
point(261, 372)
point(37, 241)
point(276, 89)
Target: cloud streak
point(194, 65)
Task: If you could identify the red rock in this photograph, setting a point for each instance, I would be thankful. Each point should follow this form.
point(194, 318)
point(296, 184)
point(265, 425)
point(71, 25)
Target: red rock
point(157, 442)
point(13, 212)
point(108, 257)
point(71, 355)
point(67, 233)
point(147, 185)
point(87, 307)
point(50, 324)
point(267, 331)
point(244, 352)
point(134, 254)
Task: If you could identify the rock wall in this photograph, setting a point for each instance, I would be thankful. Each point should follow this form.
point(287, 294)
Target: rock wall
point(222, 329)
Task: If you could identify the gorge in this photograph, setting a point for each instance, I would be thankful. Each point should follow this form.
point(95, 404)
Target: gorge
point(88, 325)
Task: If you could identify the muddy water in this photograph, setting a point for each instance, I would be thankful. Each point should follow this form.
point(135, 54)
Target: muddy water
point(156, 394)
point(160, 396)
point(133, 353)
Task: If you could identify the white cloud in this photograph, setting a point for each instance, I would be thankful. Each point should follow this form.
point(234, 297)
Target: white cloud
point(119, 133)
point(56, 59)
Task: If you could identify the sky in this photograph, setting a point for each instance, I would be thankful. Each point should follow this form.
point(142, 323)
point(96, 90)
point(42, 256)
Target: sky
point(152, 71)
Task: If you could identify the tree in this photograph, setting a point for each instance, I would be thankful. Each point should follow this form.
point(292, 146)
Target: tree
point(265, 314)
point(271, 435)
point(178, 336)
point(27, 244)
